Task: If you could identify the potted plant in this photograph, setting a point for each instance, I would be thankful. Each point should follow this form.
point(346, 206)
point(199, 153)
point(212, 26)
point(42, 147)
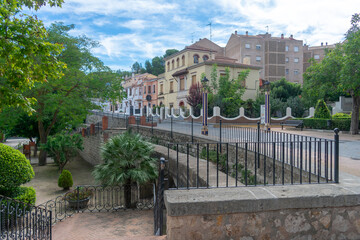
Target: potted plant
point(79, 198)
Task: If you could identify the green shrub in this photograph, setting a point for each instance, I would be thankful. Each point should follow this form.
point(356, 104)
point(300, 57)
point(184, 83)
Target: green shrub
point(341, 115)
point(26, 195)
point(65, 180)
point(343, 124)
point(321, 110)
point(15, 169)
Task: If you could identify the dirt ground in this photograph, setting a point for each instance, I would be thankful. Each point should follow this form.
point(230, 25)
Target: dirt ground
point(46, 177)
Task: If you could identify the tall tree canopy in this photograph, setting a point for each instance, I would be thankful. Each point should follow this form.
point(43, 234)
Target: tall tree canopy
point(66, 101)
point(26, 55)
point(339, 72)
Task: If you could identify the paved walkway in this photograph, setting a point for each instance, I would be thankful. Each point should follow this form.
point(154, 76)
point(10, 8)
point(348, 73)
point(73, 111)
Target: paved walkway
point(130, 224)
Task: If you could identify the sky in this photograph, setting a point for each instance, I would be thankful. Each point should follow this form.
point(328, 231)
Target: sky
point(138, 30)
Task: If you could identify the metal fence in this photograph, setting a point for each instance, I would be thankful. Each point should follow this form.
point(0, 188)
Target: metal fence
point(20, 220)
point(208, 165)
point(94, 198)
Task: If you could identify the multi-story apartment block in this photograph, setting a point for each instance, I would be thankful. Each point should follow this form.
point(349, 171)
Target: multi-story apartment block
point(277, 56)
point(315, 52)
point(185, 68)
point(150, 93)
point(134, 88)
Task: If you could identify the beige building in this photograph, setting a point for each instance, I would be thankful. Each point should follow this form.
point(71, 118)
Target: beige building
point(315, 52)
point(277, 56)
point(184, 68)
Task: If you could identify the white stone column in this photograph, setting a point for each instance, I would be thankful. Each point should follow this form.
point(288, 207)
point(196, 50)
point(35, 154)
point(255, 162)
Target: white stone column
point(162, 113)
point(288, 112)
point(216, 112)
point(311, 112)
point(241, 112)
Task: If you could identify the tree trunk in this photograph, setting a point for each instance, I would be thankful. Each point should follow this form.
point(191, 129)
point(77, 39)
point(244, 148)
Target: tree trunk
point(43, 140)
point(127, 194)
point(354, 128)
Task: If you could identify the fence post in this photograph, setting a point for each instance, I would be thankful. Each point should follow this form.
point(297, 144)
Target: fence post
point(171, 123)
point(258, 144)
point(77, 199)
point(220, 136)
point(192, 130)
point(336, 157)
point(162, 186)
point(152, 125)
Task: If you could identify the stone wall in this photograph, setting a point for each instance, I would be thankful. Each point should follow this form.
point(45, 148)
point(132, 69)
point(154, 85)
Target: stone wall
point(327, 211)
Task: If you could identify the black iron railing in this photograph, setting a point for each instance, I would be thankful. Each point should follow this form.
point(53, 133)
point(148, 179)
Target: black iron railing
point(207, 165)
point(20, 220)
point(159, 206)
point(98, 199)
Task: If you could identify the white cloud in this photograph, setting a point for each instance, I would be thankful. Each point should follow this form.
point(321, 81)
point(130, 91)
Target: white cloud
point(328, 19)
point(137, 30)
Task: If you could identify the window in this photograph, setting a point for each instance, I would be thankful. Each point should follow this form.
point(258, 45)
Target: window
point(168, 66)
point(173, 64)
point(286, 48)
point(177, 62)
point(193, 79)
point(153, 88)
point(140, 90)
point(171, 87)
point(161, 88)
point(196, 58)
point(182, 83)
point(258, 47)
point(296, 60)
point(296, 49)
point(149, 89)
point(258, 58)
point(205, 58)
point(317, 56)
point(145, 90)
point(296, 72)
point(287, 59)
point(247, 45)
point(287, 71)
point(183, 60)
point(130, 92)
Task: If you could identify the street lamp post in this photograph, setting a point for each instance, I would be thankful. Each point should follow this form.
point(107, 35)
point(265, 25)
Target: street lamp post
point(204, 129)
point(267, 105)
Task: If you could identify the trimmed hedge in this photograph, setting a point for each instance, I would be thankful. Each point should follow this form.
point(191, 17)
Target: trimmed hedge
point(15, 169)
point(65, 180)
point(343, 124)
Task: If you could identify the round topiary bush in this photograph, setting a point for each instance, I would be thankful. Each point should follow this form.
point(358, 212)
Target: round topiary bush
point(321, 110)
point(65, 180)
point(15, 169)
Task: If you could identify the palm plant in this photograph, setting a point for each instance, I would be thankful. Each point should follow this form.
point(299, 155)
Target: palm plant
point(127, 159)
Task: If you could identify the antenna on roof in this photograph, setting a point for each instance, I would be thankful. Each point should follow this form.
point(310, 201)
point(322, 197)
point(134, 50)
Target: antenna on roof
point(192, 37)
point(267, 29)
point(210, 29)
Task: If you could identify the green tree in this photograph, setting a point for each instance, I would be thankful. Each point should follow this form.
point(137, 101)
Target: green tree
point(157, 65)
point(26, 55)
point(228, 94)
point(339, 72)
point(66, 101)
point(127, 160)
point(62, 147)
point(170, 52)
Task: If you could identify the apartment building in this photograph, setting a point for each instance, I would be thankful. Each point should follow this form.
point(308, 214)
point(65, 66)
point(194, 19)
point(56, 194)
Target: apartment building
point(278, 57)
point(316, 52)
point(134, 88)
point(185, 68)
